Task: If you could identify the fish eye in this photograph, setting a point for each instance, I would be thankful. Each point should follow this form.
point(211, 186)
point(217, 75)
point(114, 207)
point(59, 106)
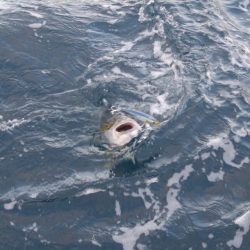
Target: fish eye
point(124, 127)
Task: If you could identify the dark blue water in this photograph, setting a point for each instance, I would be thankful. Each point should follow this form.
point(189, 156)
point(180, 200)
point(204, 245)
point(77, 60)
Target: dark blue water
point(187, 63)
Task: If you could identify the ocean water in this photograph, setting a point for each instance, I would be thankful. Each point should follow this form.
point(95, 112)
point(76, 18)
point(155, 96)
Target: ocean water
point(187, 63)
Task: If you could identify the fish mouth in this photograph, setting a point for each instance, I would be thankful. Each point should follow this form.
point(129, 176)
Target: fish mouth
point(124, 127)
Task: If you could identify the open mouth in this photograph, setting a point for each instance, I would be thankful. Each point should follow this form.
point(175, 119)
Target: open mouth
point(124, 127)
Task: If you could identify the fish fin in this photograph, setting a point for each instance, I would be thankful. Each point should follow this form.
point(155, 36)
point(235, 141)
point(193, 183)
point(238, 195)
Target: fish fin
point(111, 160)
point(131, 156)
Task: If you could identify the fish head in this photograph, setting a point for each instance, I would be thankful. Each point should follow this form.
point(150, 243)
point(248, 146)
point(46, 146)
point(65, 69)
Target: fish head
point(122, 131)
point(119, 129)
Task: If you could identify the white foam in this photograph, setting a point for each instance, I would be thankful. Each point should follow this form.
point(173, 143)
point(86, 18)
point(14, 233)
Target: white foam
point(146, 33)
point(141, 193)
point(35, 14)
point(37, 25)
point(116, 70)
point(52, 188)
point(28, 5)
point(172, 203)
point(128, 237)
point(152, 180)
point(179, 177)
point(204, 245)
point(117, 208)
point(111, 193)
point(6, 5)
point(214, 100)
point(10, 205)
point(33, 195)
point(158, 73)
point(141, 246)
point(229, 153)
point(126, 47)
point(44, 241)
point(30, 228)
point(165, 56)
point(88, 191)
point(162, 106)
point(95, 242)
point(216, 176)
point(25, 150)
point(210, 236)
point(244, 222)
point(174, 184)
point(205, 156)
point(236, 138)
point(10, 124)
point(45, 71)
point(142, 17)
point(239, 55)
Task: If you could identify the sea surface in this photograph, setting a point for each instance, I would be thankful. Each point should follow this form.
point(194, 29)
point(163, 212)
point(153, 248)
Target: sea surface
point(187, 63)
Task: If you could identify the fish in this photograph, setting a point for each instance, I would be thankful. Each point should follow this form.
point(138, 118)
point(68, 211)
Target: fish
point(120, 133)
point(119, 129)
point(121, 125)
